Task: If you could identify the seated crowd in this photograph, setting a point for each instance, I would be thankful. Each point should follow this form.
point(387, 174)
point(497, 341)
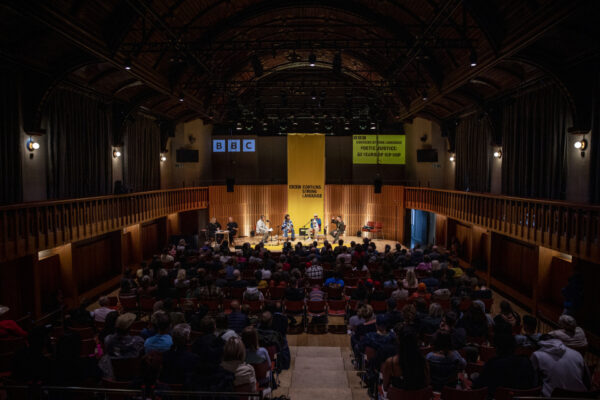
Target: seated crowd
point(209, 318)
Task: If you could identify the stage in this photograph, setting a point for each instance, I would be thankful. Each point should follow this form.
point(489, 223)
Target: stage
point(276, 242)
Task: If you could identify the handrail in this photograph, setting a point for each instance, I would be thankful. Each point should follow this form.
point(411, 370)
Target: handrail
point(572, 228)
point(30, 227)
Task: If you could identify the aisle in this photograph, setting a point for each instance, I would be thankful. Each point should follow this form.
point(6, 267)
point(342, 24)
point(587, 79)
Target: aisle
point(320, 373)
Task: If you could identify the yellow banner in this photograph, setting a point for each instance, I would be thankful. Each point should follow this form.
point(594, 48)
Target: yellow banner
point(378, 149)
point(306, 178)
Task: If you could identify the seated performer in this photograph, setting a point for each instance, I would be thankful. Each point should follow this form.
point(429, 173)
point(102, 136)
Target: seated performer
point(232, 227)
point(213, 227)
point(262, 229)
point(340, 228)
point(315, 226)
point(288, 226)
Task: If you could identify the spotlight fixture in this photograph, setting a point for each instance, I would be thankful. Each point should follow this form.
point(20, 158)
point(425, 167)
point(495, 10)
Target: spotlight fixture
point(163, 158)
point(32, 144)
point(313, 94)
point(127, 64)
point(473, 58)
point(347, 125)
point(238, 126)
point(373, 125)
point(452, 157)
point(580, 144)
point(498, 154)
point(116, 153)
point(181, 98)
point(312, 59)
point(424, 95)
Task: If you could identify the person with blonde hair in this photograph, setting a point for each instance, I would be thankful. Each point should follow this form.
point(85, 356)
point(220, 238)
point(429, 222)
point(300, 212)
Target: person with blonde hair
point(181, 282)
point(234, 361)
point(410, 281)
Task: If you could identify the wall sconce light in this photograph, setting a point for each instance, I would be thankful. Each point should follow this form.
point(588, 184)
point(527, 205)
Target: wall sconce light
point(452, 157)
point(498, 154)
point(116, 153)
point(580, 144)
point(32, 144)
point(163, 158)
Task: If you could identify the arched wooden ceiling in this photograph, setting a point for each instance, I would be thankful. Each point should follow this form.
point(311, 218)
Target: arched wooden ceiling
point(210, 53)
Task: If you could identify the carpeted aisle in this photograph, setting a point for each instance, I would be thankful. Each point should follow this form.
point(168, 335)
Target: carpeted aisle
point(320, 373)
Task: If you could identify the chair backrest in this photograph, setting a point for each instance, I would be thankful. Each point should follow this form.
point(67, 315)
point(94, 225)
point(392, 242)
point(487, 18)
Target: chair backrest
point(450, 393)
point(272, 350)
point(88, 347)
point(84, 332)
point(212, 305)
point(486, 353)
point(126, 369)
point(277, 293)
point(370, 224)
point(147, 303)
point(261, 370)
point(11, 345)
point(370, 353)
point(334, 292)
point(128, 302)
point(379, 306)
point(336, 305)
point(503, 393)
point(294, 306)
point(473, 367)
point(488, 304)
point(236, 293)
point(255, 305)
point(378, 225)
point(314, 282)
point(400, 394)
point(316, 306)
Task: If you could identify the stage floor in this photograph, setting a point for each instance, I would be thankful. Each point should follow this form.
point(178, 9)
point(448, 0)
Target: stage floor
point(276, 244)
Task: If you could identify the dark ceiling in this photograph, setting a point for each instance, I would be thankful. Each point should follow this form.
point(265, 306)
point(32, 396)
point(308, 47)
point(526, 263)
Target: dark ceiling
point(247, 61)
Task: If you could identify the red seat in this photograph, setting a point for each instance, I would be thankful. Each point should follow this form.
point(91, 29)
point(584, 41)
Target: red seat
point(277, 293)
point(352, 304)
point(474, 367)
point(400, 394)
point(227, 306)
point(88, 347)
point(313, 282)
point(126, 369)
point(213, 305)
point(11, 345)
point(84, 332)
point(129, 303)
point(236, 293)
point(503, 393)
point(336, 307)
point(147, 304)
point(370, 225)
point(262, 371)
point(255, 305)
point(488, 304)
point(370, 353)
point(449, 393)
point(379, 306)
point(294, 307)
point(350, 281)
point(316, 308)
point(113, 301)
point(334, 292)
point(486, 353)
point(378, 229)
point(189, 304)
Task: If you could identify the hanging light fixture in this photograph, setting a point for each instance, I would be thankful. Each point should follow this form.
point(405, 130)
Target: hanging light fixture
point(473, 58)
point(452, 157)
point(424, 95)
point(32, 144)
point(163, 157)
point(498, 154)
point(116, 152)
point(580, 144)
point(312, 59)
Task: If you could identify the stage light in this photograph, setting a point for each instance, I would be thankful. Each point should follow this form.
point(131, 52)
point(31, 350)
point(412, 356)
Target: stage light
point(313, 94)
point(452, 157)
point(181, 98)
point(580, 144)
point(347, 125)
point(163, 158)
point(312, 59)
point(32, 144)
point(373, 125)
point(473, 58)
point(116, 153)
point(424, 95)
point(498, 154)
point(127, 64)
point(238, 126)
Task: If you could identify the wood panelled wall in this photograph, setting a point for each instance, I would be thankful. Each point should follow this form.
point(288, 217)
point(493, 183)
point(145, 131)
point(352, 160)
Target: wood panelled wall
point(357, 204)
point(247, 203)
point(96, 261)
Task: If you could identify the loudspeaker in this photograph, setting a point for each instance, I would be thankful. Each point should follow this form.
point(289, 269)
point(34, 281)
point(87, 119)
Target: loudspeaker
point(230, 184)
point(377, 185)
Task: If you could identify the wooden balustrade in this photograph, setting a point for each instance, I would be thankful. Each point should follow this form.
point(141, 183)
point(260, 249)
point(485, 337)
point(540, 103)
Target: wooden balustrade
point(30, 227)
point(571, 228)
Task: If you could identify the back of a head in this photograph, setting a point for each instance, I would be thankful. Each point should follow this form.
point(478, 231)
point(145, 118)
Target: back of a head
point(450, 318)
point(235, 305)
point(103, 301)
point(161, 322)
point(567, 323)
point(221, 321)
point(411, 360)
point(234, 350)
point(266, 319)
point(442, 342)
point(505, 307)
point(250, 338)
point(436, 310)
point(207, 325)
point(530, 323)
point(181, 335)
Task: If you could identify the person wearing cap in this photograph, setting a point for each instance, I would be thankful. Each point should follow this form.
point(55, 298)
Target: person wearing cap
point(569, 333)
point(121, 344)
point(8, 327)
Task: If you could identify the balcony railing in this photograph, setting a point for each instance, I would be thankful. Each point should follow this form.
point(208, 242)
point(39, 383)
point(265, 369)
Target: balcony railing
point(30, 227)
point(571, 228)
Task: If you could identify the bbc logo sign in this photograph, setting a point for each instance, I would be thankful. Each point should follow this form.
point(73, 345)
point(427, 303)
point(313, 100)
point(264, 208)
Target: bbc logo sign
point(234, 145)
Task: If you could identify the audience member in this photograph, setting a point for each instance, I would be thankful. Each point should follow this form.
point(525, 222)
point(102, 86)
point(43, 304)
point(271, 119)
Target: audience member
point(237, 320)
point(444, 363)
point(569, 333)
point(408, 370)
point(179, 364)
point(161, 341)
point(234, 361)
point(100, 313)
point(530, 336)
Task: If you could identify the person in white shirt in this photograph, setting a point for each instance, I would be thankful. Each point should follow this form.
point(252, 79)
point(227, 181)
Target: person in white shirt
point(100, 313)
point(261, 229)
point(315, 226)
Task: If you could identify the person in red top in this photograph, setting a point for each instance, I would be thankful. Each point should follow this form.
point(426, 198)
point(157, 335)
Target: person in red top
point(421, 292)
point(8, 327)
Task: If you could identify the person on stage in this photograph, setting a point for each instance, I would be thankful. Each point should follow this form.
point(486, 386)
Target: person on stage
point(232, 227)
point(340, 228)
point(213, 227)
point(315, 226)
point(262, 229)
point(288, 226)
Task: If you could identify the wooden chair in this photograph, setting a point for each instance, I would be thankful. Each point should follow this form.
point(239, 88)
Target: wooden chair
point(503, 393)
point(147, 304)
point(400, 394)
point(336, 307)
point(316, 308)
point(213, 305)
point(294, 307)
point(450, 393)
